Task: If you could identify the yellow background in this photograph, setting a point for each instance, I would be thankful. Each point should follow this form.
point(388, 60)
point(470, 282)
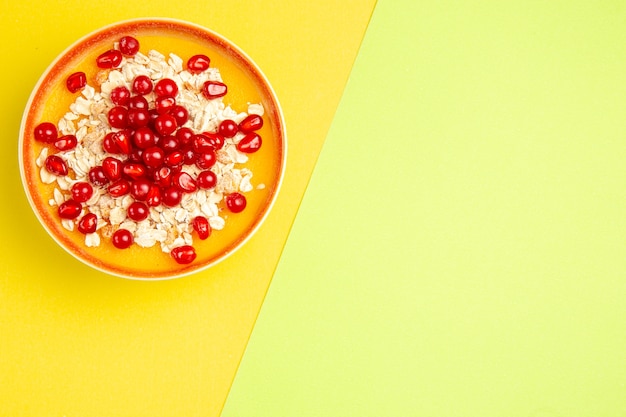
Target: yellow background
point(74, 342)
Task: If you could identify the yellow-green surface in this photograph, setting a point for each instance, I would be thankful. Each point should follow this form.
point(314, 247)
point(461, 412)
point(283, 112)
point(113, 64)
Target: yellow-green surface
point(461, 247)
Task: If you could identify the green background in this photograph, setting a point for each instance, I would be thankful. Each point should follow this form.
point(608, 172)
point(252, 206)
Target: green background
point(460, 247)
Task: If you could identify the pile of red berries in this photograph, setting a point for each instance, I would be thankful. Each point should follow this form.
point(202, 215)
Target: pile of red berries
point(147, 148)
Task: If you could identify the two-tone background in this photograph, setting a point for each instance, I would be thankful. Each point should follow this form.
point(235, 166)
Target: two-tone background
point(450, 239)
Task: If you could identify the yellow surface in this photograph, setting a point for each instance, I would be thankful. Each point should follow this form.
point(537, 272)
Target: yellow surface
point(75, 342)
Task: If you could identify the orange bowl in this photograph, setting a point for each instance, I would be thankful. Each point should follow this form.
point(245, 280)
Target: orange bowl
point(253, 172)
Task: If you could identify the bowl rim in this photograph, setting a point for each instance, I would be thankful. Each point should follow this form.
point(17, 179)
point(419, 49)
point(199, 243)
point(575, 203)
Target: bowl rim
point(222, 42)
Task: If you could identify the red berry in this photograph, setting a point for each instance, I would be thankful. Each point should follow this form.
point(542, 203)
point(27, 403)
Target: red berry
point(172, 196)
point(184, 254)
point(169, 143)
point(228, 128)
point(164, 104)
point(144, 138)
point(88, 223)
point(138, 211)
point(134, 170)
point(109, 59)
point(120, 95)
point(153, 198)
point(138, 118)
point(81, 191)
point(202, 226)
point(56, 165)
point(121, 139)
point(206, 180)
point(175, 158)
point(66, 142)
point(251, 123)
point(163, 176)
point(129, 46)
point(140, 188)
point(119, 188)
point(184, 135)
point(97, 176)
point(153, 157)
point(198, 63)
point(202, 143)
point(235, 202)
point(184, 182)
point(250, 143)
point(215, 140)
point(165, 124)
point(206, 160)
point(46, 132)
point(138, 102)
point(112, 168)
point(166, 87)
point(75, 82)
point(214, 89)
point(109, 145)
point(118, 117)
point(142, 84)
point(122, 239)
point(180, 114)
point(70, 209)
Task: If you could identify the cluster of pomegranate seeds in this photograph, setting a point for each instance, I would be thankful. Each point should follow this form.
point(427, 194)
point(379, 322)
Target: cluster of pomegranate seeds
point(147, 148)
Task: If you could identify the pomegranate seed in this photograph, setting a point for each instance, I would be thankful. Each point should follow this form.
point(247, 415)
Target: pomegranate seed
point(202, 143)
point(189, 155)
point(134, 170)
point(75, 82)
point(138, 102)
point(214, 89)
point(129, 46)
point(70, 209)
point(206, 180)
point(215, 140)
point(198, 63)
point(140, 188)
point(202, 226)
point(121, 140)
point(172, 196)
point(109, 59)
point(235, 202)
point(138, 118)
point(228, 128)
point(184, 254)
point(251, 123)
point(112, 168)
point(122, 239)
point(164, 104)
point(163, 176)
point(165, 124)
point(97, 176)
point(250, 143)
point(144, 138)
point(185, 136)
point(142, 84)
point(180, 114)
point(166, 87)
point(206, 160)
point(56, 165)
point(118, 117)
point(88, 223)
point(184, 182)
point(81, 191)
point(46, 132)
point(137, 211)
point(153, 157)
point(120, 95)
point(109, 145)
point(66, 142)
point(153, 199)
point(169, 143)
point(174, 158)
point(119, 188)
